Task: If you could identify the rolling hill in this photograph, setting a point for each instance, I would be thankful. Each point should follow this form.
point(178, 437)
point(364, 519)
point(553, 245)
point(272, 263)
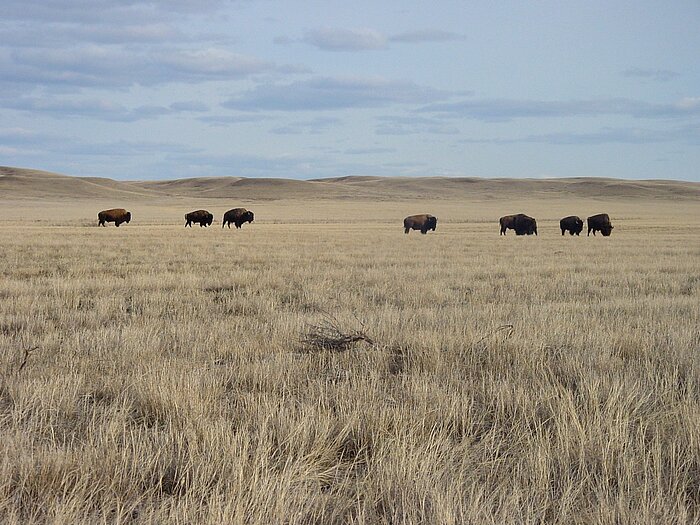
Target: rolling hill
point(29, 184)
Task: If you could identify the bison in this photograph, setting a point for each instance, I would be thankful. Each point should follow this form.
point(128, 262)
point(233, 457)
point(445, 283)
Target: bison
point(115, 215)
point(572, 224)
point(507, 222)
point(601, 223)
point(525, 225)
point(237, 216)
point(521, 223)
point(201, 217)
point(423, 222)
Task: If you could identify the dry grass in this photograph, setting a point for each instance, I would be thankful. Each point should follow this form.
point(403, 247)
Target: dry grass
point(506, 380)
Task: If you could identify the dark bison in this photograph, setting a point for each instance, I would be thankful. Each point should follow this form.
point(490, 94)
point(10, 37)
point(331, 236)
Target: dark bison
point(115, 215)
point(201, 217)
point(423, 222)
point(237, 216)
point(525, 225)
point(601, 223)
point(507, 222)
point(572, 224)
point(521, 223)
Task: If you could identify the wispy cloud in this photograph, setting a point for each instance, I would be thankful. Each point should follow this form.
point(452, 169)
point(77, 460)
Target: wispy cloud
point(88, 11)
point(689, 134)
point(103, 33)
point(368, 151)
point(115, 67)
point(365, 39)
point(505, 109)
point(399, 125)
point(329, 39)
point(660, 75)
point(323, 93)
point(41, 143)
point(227, 120)
point(426, 35)
point(312, 127)
point(100, 109)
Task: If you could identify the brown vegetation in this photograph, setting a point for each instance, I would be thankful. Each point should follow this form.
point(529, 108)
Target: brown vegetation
point(460, 377)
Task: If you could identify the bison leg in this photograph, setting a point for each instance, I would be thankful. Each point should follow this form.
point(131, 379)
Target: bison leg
point(116, 223)
point(406, 230)
point(424, 230)
point(562, 231)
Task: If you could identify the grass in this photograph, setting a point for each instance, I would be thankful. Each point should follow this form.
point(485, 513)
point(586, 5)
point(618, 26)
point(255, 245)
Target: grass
point(151, 374)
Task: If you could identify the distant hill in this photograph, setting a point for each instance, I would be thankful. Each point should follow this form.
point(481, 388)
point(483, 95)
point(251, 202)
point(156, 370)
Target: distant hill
point(19, 183)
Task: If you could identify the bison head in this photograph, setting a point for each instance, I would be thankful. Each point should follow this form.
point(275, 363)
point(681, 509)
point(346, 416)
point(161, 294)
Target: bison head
point(432, 223)
point(248, 216)
point(128, 217)
point(606, 230)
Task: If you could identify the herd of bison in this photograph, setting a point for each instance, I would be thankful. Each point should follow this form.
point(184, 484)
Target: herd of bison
point(521, 223)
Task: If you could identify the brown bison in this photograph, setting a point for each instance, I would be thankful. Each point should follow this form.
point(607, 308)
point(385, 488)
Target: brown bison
point(507, 222)
point(115, 215)
point(601, 223)
point(525, 225)
point(521, 223)
point(201, 217)
point(237, 216)
point(423, 222)
point(572, 224)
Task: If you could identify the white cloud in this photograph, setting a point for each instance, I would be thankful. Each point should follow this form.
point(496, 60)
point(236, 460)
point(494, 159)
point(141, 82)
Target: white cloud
point(116, 67)
point(96, 108)
point(119, 11)
point(335, 39)
point(660, 75)
point(365, 39)
point(509, 109)
point(395, 125)
point(312, 127)
point(323, 93)
point(426, 35)
point(689, 134)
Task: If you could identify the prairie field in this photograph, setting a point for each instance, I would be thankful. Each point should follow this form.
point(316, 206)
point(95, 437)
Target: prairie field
point(319, 366)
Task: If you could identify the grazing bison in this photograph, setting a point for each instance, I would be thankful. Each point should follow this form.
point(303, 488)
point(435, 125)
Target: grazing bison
point(507, 222)
point(237, 216)
point(201, 217)
point(572, 224)
point(423, 222)
point(116, 215)
point(521, 223)
point(525, 225)
point(601, 223)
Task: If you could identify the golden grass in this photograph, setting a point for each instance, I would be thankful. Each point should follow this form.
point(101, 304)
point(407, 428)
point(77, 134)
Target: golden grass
point(506, 380)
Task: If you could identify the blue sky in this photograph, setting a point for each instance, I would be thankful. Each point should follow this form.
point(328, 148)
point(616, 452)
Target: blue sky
point(265, 88)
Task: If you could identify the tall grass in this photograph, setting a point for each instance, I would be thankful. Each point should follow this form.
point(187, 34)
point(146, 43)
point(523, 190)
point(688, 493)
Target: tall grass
point(169, 375)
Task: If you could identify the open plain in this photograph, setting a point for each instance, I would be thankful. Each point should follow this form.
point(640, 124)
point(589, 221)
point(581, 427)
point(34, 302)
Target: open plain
point(319, 366)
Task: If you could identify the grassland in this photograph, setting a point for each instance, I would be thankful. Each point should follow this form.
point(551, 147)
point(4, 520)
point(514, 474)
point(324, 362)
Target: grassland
point(152, 374)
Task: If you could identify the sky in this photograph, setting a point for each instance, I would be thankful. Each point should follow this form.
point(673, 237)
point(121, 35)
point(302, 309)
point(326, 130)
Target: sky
point(167, 89)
